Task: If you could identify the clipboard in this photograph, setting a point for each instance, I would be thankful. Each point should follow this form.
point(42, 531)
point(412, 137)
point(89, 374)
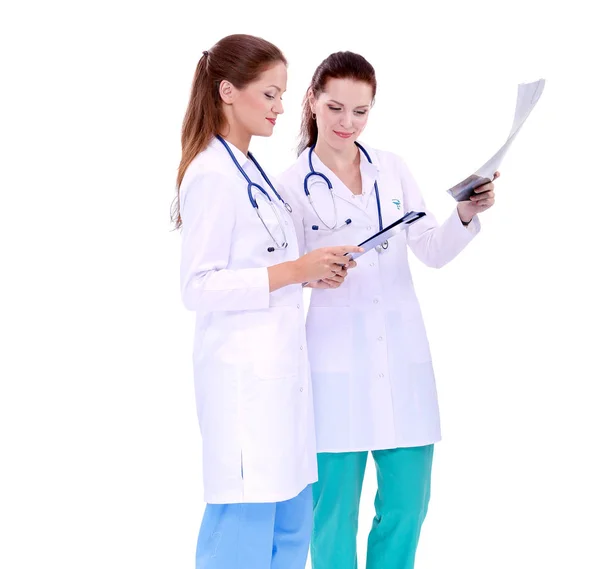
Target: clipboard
point(382, 236)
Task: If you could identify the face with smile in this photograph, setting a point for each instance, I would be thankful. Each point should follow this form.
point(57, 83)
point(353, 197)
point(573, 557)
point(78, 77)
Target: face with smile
point(253, 110)
point(342, 111)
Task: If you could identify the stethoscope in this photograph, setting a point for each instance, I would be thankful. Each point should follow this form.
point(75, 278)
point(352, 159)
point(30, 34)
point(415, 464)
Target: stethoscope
point(278, 245)
point(335, 225)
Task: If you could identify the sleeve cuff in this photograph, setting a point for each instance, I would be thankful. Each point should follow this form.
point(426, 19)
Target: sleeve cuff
point(244, 289)
point(473, 227)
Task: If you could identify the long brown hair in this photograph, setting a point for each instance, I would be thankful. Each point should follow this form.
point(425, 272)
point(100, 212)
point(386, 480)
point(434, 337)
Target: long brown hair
point(239, 59)
point(340, 65)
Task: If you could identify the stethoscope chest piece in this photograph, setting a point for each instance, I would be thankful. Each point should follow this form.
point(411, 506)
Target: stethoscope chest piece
point(383, 247)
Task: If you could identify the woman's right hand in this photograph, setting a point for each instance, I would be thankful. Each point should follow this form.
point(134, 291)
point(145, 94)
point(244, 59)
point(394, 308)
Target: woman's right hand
point(325, 263)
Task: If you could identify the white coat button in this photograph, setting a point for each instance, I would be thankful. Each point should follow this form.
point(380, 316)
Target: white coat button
point(380, 338)
point(369, 227)
point(301, 347)
point(371, 264)
point(382, 375)
point(375, 301)
point(301, 389)
point(298, 306)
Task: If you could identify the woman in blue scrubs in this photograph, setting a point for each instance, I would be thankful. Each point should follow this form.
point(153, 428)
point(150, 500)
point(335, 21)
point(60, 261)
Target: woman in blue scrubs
point(241, 275)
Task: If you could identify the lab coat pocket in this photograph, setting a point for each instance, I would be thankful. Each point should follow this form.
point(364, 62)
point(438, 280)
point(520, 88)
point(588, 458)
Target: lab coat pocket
point(412, 335)
point(331, 297)
point(329, 335)
point(278, 344)
point(279, 364)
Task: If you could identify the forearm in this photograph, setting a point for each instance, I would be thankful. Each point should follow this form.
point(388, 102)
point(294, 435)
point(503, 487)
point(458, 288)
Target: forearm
point(283, 274)
point(437, 245)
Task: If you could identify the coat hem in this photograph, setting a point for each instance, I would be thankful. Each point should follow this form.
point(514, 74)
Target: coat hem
point(371, 448)
point(267, 498)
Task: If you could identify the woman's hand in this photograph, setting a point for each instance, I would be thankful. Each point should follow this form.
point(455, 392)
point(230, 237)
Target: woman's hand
point(328, 264)
point(482, 199)
point(334, 281)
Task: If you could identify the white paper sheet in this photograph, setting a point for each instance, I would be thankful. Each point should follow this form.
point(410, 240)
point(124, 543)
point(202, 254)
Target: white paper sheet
point(527, 97)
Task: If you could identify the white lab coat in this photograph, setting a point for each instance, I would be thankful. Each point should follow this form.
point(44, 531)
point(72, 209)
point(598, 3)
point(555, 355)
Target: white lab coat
point(253, 390)
point(373, 380)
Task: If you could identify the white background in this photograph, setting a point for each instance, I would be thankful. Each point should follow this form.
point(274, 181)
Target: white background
point(100, 449)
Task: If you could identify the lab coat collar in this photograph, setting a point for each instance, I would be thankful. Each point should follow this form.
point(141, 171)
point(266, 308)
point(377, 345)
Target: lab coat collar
point(372, 155)
point(239, 155)
point(369, 170)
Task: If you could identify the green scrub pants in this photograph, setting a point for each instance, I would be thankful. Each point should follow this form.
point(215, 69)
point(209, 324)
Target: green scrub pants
point(403, 488)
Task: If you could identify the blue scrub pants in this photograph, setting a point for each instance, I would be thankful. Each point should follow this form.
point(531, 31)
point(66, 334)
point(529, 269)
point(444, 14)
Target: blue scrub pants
point(256, 536)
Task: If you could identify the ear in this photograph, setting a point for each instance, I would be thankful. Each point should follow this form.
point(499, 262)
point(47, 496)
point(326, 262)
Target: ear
point(227, 92)
point(312, 101)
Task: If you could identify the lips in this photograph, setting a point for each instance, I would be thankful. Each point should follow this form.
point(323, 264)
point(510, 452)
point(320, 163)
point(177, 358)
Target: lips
point(343, 134)
point(272, 121)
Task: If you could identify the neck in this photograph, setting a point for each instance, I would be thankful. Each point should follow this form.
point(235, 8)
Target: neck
point(337, 160)
point(238, 137)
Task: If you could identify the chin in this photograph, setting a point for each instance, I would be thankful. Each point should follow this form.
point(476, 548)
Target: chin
point(341, 143)
point(265, 132)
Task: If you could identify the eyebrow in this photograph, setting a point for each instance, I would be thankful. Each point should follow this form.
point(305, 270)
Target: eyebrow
point(275, 86)
point(342, 104)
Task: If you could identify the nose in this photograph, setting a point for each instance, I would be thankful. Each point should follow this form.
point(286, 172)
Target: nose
point(346, 120)
point(278, 107)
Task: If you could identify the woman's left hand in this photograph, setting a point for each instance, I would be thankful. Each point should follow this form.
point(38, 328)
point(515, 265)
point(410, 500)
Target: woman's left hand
point(482, 199)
